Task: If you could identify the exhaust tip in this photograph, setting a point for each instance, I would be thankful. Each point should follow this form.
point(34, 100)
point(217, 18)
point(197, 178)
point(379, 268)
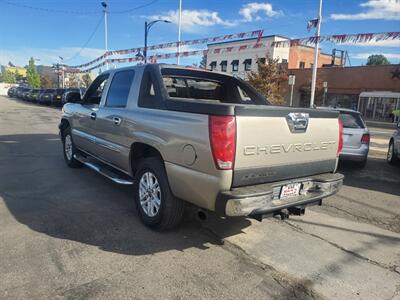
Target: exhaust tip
point(202, 215)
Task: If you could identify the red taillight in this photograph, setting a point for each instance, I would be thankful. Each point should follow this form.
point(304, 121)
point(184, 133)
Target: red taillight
point(365, 138)
point(223, 140)
point(340, 144)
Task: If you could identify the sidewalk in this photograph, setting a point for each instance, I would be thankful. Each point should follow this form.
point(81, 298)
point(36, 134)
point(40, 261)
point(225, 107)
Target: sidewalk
point(379, 140)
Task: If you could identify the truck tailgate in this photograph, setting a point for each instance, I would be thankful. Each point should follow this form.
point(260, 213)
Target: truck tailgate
point(277, 143)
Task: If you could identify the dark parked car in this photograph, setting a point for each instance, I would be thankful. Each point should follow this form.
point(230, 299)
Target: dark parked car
point(72, 95)
point(34, 95)
point(56, 97)
point(45, 97)
point(25, 94)
point(20, 91)
point(11, 91)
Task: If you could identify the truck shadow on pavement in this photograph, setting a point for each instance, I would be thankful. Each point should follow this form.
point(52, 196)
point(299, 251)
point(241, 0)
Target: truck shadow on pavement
point(41, 192)
point(377, 175)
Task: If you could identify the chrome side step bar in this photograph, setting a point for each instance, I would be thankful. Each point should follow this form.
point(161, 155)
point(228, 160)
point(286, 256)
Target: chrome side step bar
point(104, 170)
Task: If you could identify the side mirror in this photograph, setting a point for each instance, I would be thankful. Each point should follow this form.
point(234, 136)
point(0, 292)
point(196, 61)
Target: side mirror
point(73, 97)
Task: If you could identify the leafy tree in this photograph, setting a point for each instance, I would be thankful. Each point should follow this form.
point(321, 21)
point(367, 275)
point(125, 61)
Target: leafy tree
point(32, 75)
point(377, 59)
point(269, 79)
point(86, 80)
point(73, 81)
point(203, 62)
point(8, 77)
point(46, 81)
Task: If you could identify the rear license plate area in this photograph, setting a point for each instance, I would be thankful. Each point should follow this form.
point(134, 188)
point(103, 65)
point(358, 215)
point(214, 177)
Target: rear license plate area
point(290, 190)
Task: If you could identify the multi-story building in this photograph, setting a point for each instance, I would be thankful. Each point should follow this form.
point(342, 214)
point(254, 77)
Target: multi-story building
point(240, 57)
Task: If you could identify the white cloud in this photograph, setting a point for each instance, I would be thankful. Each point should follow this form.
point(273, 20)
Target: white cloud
point(365, 55)
point(251, 11)
point(191, 19)
point(376, 9)
point(48, 56)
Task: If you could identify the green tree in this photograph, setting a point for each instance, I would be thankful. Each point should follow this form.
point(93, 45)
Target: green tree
point(269, 79)
point(8, 77)
point(203, 62)
point(86, 80)
point(32, 75)
point(46, 81)
point(377, 59)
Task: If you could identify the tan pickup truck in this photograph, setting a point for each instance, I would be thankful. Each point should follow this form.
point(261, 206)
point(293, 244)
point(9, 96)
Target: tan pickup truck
point(188, 135)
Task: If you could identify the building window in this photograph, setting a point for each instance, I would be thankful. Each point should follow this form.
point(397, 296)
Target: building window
point(311, 65)
point(284, 61)
point(213, 65)
point(223, 65)
point(302, 65)
point(247, 64)
point(235, 65)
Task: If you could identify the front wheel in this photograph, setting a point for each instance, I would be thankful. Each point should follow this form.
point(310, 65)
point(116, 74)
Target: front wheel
point(156, 205)
point(70, 150)
point(391, 155)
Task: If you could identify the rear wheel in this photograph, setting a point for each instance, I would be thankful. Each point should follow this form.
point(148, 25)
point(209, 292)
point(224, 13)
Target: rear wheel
point(157, 206)
point(391, 154)
point(69, 149)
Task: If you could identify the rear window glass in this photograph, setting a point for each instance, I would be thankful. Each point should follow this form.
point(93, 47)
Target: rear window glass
point(351, 120)
point(194, 88)
point(200, 86)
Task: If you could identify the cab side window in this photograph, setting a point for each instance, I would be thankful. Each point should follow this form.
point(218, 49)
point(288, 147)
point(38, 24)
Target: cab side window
point(95, 91)
point(119, 88)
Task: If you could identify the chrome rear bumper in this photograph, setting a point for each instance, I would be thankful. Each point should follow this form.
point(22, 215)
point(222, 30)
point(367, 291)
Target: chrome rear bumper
point(264, 198)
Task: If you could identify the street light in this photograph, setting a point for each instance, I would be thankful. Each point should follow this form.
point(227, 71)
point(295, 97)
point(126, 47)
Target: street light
point(147, 27)
point(104, 5)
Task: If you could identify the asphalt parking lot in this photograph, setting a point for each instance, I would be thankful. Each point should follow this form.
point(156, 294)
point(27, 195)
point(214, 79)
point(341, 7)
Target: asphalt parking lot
point(70, 233)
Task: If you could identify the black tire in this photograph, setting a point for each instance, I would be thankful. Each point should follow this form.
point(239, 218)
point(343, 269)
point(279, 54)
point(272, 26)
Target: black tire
point(171, 209)
point(69, 159)
point(391, 157)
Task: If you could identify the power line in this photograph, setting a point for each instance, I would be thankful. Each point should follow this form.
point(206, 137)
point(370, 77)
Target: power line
point(87, 41)
point(76, 12)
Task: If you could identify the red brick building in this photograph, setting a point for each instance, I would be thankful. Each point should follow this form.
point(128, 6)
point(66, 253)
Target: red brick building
point(301, 57)
point(344, 85)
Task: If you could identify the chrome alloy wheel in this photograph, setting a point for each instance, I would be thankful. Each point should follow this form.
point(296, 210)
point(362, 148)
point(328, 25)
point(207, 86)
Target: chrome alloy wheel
point(68, 147)
point(149, 194)
point(390, 152)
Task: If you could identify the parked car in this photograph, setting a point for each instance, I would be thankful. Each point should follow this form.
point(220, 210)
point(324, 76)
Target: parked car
point(25, 94)
point(19, 90)
point(356, 136)
point(183, 134)
point(71, 95)
point(56, 97)
point(34, 94)
point(11, 91)
point(46, 96)
point(393, 155)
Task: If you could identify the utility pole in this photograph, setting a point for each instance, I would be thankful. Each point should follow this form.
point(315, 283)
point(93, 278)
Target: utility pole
point(315, 66)
point(104, 4)
point(179, 31)
point(146, 31)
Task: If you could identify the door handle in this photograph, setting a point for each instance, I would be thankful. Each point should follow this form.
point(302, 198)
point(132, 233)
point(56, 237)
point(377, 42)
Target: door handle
point(93, 116)
point(117, 121)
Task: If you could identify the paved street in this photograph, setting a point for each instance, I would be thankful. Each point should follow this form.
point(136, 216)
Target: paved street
point(70, 233)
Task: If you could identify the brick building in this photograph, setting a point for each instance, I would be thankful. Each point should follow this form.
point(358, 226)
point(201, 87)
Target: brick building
point(240, 62)
point(344, 86)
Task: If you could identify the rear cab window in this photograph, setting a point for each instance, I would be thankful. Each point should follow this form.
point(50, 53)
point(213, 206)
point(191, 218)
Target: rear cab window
point(351, 120)
point(201, 86)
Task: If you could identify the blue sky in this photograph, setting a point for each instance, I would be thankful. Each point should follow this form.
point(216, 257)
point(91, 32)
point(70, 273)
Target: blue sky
point(46, 29)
